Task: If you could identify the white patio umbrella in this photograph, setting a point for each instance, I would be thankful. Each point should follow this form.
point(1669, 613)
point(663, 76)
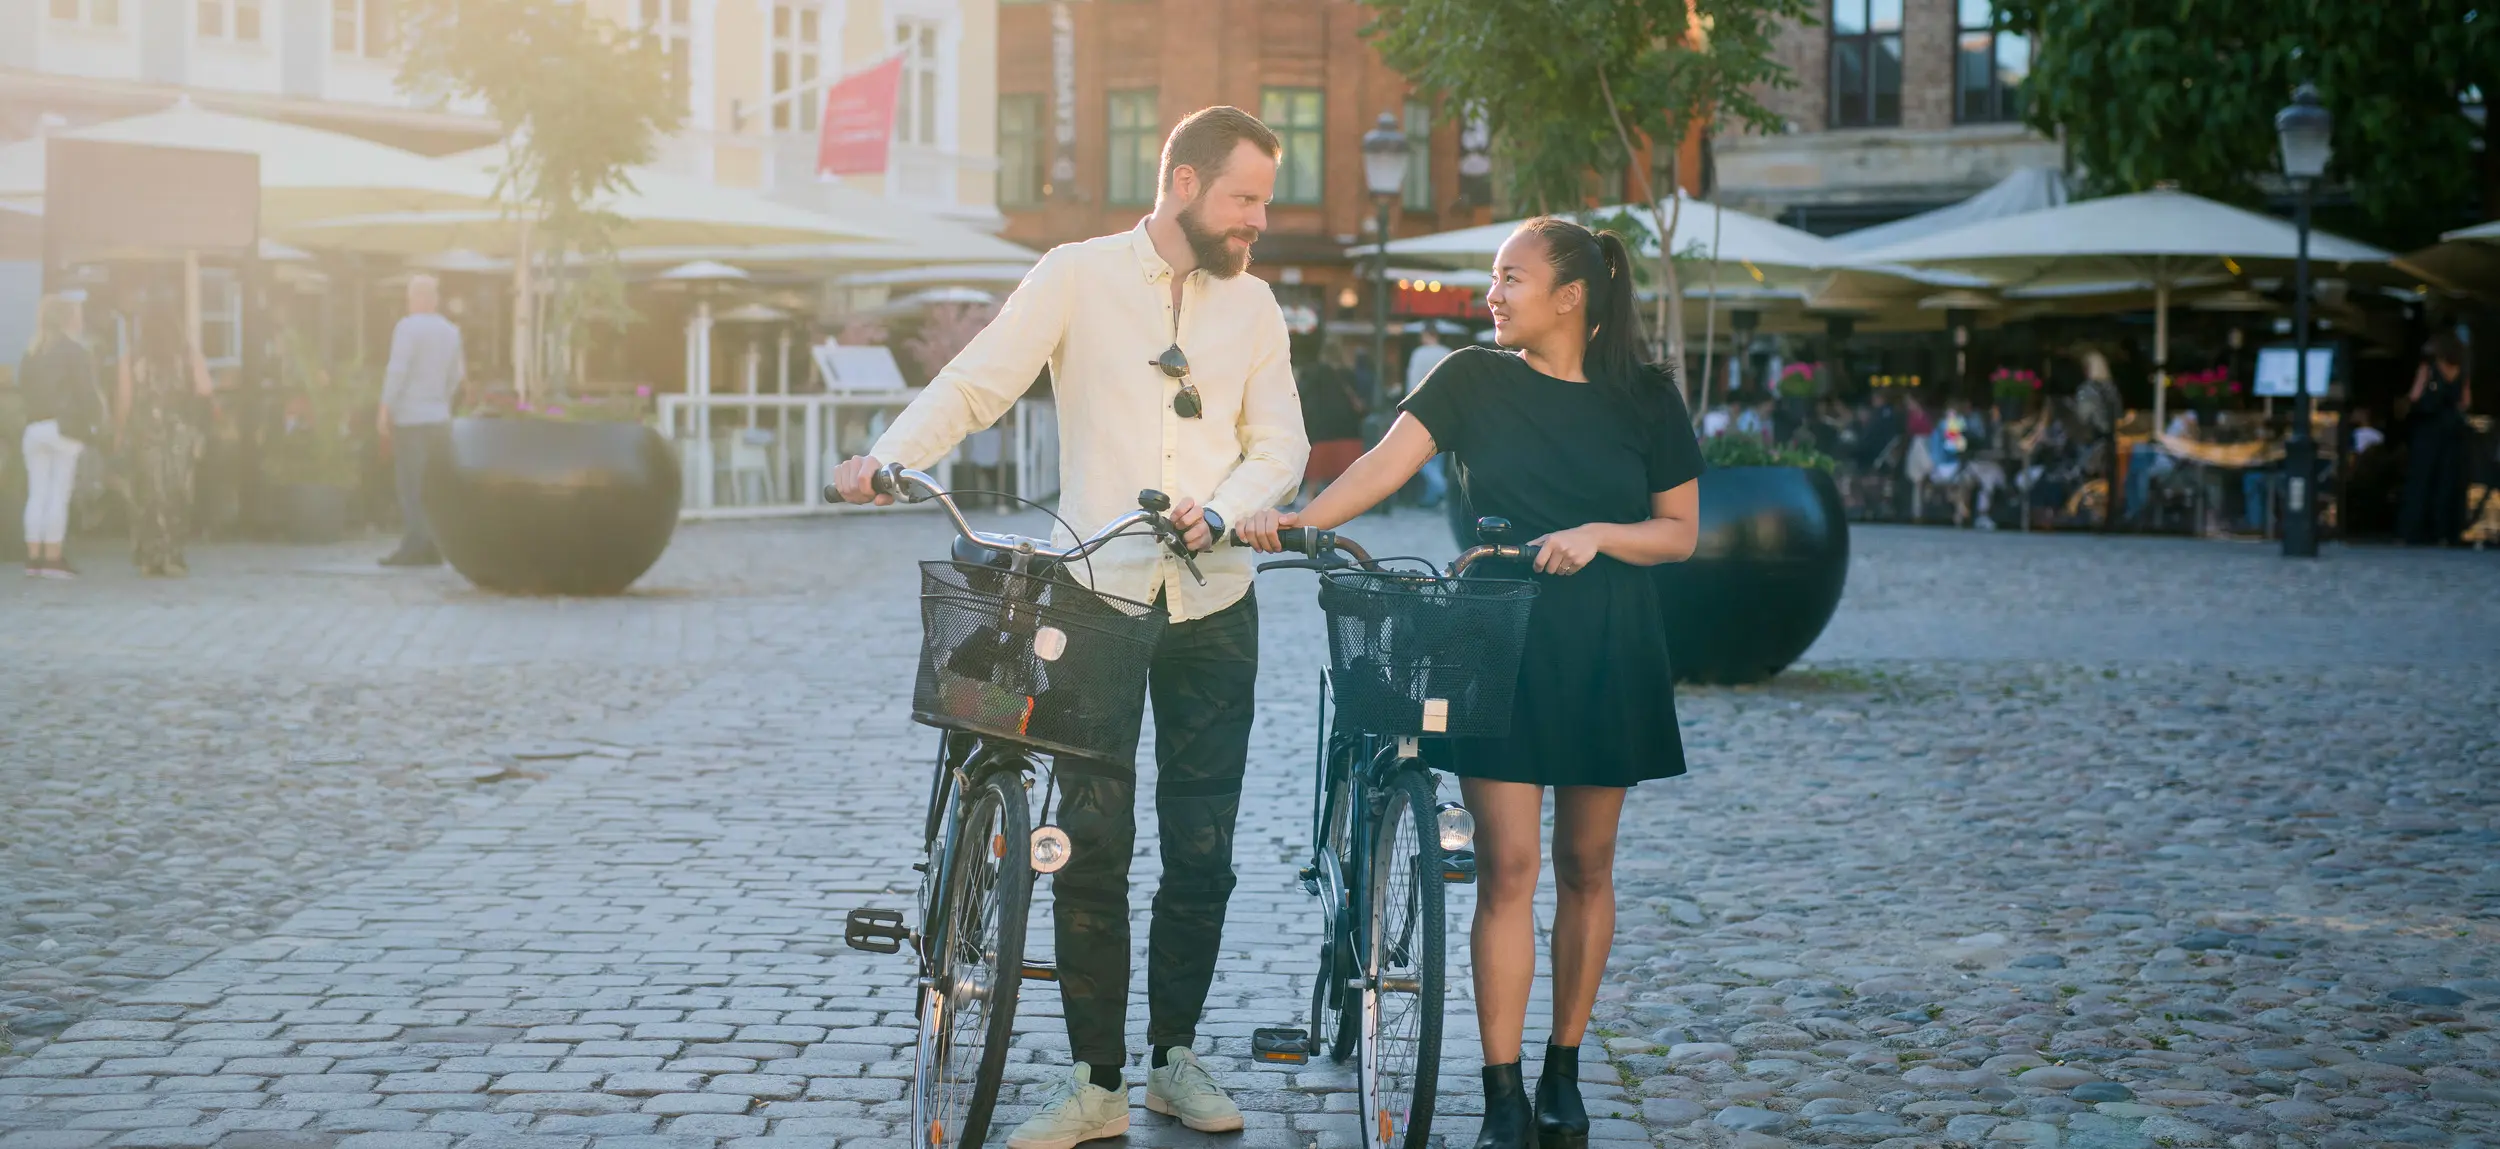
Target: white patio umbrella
point(305, 173)
point(2164, 238)
point(658, 209)
point(1780, 252)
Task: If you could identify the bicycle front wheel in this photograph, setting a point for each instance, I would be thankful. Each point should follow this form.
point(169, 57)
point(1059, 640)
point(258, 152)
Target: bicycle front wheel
point(1405, 948)
point(968, 1007)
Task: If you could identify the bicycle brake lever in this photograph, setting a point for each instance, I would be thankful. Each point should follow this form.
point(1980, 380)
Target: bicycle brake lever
point(1191, 561)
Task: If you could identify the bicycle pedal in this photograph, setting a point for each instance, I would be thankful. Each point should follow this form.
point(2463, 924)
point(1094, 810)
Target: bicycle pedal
point(876, 931)
point(1458, 866)
point(1310, 880)
point(1282, 1046)
point(1040, 971)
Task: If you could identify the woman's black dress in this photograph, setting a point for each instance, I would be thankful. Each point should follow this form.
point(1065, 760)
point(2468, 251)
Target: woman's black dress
point(2434, 497)
point(1596, 698)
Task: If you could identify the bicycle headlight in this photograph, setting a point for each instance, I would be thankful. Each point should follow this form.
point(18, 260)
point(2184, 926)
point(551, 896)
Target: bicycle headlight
point(1458, 827)
point(1051, 849)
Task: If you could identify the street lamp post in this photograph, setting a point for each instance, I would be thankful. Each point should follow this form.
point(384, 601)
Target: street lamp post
point(2304, 128)
point(1384, 175)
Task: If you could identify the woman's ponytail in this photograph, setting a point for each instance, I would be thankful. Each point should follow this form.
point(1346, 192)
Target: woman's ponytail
point(1615, 348)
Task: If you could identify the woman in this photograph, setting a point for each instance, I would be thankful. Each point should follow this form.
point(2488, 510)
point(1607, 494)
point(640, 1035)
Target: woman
point(1590, 452)
point(163, 408)
point(63, 415)
point(1332, 417)
point(2434, 504)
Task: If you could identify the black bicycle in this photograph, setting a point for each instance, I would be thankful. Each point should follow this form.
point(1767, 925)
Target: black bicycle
point(1017, 662)
point(1414, 654)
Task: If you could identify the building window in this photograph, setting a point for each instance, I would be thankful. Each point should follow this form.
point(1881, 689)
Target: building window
point(235, 20)
point(100, 13)
point(798, 51)
point(1866, 63)
point(916, 106)
point(1295, 114)
point(1136, 149)
point(1989, 67)
point(361, 28)
point(1020, 150)
point(1418, 131)
point(221, 317)
point(671, 24)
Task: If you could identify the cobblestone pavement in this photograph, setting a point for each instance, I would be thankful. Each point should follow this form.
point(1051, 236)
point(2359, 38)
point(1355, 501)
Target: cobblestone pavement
point(2053, 841)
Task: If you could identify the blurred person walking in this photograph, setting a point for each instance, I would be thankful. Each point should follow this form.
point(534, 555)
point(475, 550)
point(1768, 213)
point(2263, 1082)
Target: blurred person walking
point(2434, 499)
point(64, 415)
point(426, 372)
point(163, 400)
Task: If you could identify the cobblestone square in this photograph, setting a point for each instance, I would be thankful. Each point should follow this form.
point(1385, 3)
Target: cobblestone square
point(2052, 840)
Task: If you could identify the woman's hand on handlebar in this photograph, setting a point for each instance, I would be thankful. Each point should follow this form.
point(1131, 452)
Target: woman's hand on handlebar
point(1568, 552)
point(1259, 528)
point(855, 480)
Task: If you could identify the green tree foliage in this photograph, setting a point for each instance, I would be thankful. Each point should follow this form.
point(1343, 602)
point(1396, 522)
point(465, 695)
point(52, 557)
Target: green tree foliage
point(581, 100)
point(1573, 86)
point(2186, 90)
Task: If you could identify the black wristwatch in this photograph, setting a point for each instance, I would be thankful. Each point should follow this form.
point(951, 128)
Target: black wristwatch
point(1215, 526)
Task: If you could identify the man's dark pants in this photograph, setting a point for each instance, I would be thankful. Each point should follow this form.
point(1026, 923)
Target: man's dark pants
point(411, 445)
point(1203, 683)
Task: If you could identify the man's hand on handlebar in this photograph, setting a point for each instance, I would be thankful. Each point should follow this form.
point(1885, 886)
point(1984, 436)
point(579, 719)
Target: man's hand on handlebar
point(855, 481)
point(1192, 520)
point(1259, 528)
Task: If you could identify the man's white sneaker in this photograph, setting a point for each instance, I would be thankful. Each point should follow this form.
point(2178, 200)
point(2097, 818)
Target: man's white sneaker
point(1182, 1089)
point(1086, 1112)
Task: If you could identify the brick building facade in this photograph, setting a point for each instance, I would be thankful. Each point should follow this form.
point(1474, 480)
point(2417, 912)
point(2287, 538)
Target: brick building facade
point(1114, 75)
point(1900, 106)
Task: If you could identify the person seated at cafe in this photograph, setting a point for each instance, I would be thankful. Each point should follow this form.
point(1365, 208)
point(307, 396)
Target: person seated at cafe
point(2148, 462)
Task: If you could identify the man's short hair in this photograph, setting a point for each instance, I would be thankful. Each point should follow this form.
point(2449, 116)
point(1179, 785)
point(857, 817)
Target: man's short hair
point(1205, 140)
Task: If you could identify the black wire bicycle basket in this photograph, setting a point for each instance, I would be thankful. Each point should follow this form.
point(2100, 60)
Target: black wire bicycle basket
point(1033, 659)
point(1414, 654)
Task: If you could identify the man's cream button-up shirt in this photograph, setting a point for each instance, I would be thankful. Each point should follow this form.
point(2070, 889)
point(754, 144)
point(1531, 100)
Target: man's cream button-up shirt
point(1098, 313)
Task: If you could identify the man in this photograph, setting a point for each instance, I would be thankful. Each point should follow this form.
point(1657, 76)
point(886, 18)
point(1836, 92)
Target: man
point(1219, 428)
point(425, 374)
point(1428, 354)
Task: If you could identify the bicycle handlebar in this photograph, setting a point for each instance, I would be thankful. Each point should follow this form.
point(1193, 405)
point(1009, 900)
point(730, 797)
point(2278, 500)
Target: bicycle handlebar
point(909, 486)
point(1321, 551)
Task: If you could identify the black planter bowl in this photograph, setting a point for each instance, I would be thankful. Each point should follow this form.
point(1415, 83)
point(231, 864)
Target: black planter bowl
point(537, 506)
point(1764, 578)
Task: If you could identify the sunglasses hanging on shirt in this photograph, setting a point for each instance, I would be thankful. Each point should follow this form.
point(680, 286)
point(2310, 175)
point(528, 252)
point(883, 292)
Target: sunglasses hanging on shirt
point(1175, 365)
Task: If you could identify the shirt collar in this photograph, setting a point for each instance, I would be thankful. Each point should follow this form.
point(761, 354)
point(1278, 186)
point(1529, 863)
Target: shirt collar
point(1149, 261)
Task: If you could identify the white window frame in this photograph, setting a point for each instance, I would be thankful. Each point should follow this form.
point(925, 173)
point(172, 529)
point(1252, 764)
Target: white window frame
point(229, 20)
point(799, 99)
point(364, 48)
point(221, 310)
point(912, 31)
point(674, 29)
point(87, 9)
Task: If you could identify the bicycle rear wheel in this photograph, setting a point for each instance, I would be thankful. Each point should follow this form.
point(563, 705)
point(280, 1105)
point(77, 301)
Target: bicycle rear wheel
point(968, 1008)
point(1405, 949)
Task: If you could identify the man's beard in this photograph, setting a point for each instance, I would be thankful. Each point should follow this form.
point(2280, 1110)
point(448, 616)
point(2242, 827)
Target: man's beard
point(1212, 249)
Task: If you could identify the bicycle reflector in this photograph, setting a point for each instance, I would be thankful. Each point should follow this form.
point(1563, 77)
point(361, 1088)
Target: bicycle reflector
point(1051, 849)
point(1458, 827)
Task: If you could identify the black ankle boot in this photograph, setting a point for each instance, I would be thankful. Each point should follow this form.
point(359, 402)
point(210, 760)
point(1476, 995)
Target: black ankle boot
point(1507, 1122)
point(1561, 1121)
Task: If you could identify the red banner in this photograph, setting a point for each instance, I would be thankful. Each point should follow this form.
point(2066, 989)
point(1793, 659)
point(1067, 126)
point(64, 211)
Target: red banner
point(859, 121)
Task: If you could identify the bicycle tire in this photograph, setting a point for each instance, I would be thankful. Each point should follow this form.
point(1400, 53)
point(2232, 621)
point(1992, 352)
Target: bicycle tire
point(978, 947)
point(1405, 958)
point(1334, 1026)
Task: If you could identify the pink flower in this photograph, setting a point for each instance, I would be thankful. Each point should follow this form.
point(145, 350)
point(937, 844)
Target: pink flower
point(643, 391)
point(527, 407)
point(558, 411)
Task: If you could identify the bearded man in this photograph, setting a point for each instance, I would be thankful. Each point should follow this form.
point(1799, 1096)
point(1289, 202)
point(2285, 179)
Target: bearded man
point(1171, 371)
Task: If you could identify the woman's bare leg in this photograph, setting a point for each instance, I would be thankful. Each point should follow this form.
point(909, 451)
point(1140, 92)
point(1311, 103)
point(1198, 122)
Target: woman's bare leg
point(1585, 820)
point(1509, 820)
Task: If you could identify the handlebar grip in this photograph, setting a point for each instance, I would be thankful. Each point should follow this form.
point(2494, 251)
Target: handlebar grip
point(1527, 555)
point(832, 493)
point(1307, 541)
point(883, 483)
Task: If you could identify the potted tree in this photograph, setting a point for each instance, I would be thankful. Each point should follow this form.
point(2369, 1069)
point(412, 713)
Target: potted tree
point(1768, 569)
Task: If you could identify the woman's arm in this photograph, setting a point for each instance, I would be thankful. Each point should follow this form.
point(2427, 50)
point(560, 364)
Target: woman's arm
point(1374, 477)
point(1667, 536)
point(2421, 379)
